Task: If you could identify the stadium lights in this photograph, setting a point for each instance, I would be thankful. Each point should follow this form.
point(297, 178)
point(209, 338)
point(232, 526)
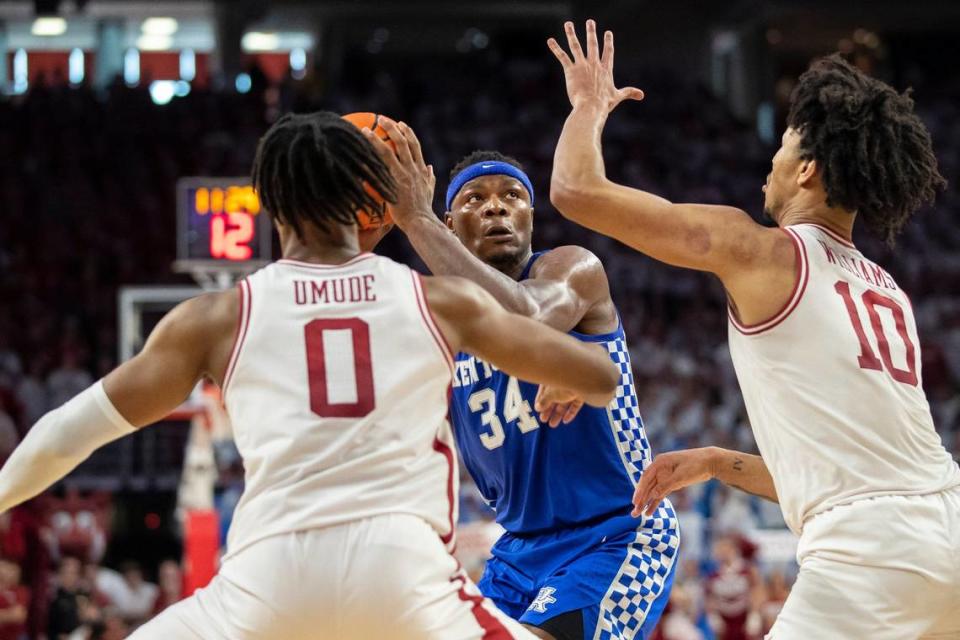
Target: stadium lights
point(150, 42)
point(162, 91)
point(49, 26)
point(21, 79)
point(188, 65)
point(243, 83)
point(75, 66)
point(298, 63)
point(259, 41)
point(159, 26)
point(131, 67)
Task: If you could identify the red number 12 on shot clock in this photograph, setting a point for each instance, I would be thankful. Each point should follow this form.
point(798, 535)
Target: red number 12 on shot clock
point(229, 235)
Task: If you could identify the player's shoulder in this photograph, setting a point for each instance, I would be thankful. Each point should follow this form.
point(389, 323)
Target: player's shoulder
point(568, 257)
point(208, 314)
point(571, 263)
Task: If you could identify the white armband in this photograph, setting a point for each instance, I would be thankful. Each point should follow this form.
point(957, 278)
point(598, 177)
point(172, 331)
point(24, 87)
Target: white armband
point(58, 442)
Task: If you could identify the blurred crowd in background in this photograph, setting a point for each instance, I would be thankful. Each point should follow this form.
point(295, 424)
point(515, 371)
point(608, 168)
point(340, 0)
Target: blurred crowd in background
point(87, 194)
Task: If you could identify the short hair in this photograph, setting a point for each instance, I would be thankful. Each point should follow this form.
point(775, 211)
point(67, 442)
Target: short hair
point(318, 169)
point(483, 155)
point(873, 151)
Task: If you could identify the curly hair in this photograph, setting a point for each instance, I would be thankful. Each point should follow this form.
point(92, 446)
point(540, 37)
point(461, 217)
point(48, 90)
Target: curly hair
point(873, 151)
point(318, 169)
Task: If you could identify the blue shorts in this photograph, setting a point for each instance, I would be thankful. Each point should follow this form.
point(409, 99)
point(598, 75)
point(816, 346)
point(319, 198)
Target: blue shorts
point(618, 573)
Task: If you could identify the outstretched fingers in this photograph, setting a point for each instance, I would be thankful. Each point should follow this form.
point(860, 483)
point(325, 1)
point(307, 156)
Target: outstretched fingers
point(593, 49)
point(559, 53)
point(606, 58)
point(573, 41)
point(630, 93)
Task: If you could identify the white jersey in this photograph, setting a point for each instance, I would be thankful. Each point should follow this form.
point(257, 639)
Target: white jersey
point(337, 389)
point(833, 388)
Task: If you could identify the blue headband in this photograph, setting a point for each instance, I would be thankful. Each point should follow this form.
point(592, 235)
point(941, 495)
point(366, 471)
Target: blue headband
point(486, 168)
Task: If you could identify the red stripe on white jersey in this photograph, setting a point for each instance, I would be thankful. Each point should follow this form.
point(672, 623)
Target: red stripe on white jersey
point(833, 234)
point(428, 319)
point(243, 324)
point(312, 265)
point(444, 449)
point(799, 286)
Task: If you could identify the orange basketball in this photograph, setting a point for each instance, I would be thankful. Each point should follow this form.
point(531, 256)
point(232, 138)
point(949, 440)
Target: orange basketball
point(367, 221)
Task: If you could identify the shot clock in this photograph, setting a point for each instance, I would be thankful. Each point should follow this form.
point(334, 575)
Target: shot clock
point(220, 224)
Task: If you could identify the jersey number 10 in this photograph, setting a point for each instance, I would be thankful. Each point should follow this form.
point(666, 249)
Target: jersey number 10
point(868, 359)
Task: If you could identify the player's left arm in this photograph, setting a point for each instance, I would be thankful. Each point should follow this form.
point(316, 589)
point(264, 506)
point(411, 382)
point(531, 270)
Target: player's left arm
point(190, 342)
point(674, 470)
point(569, 282)
point(746, 256)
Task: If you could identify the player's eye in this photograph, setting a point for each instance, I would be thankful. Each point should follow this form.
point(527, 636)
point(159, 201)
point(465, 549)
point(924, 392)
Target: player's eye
point(513, 194)
point(473, 197)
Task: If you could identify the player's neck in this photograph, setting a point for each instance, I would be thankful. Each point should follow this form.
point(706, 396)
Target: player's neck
point(512, 266)
point(836, 219)
point(321, 247)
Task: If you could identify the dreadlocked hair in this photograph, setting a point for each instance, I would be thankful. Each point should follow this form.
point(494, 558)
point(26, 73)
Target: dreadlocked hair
point(874, 153)
point(318, 169)
point(483, 156)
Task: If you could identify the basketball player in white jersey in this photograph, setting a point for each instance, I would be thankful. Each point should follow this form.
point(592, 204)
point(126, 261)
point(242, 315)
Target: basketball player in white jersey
point(823, 340)
point(336, 369)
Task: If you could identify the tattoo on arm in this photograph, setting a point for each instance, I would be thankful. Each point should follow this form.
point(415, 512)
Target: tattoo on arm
point(737, 464)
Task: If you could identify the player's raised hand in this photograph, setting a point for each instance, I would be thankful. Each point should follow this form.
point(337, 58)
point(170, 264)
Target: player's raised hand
point(415, 179)
point(670, 472)
point(589, 75)
point(557, 405)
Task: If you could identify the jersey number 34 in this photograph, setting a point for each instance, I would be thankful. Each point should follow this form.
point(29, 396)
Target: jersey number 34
point(515, 409)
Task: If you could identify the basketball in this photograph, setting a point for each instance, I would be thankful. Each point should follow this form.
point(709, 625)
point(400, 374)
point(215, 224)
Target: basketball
point(365, 219)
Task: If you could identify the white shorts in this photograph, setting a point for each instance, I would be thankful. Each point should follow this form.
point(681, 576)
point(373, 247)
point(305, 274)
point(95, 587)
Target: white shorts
point(878, 569)
point(383, 577)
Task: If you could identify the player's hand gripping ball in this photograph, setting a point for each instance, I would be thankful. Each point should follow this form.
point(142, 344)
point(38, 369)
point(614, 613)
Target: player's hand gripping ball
point(367, 221)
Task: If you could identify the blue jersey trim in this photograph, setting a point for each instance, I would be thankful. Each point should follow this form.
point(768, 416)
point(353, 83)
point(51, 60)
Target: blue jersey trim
point(526, 270)
point(600, 337)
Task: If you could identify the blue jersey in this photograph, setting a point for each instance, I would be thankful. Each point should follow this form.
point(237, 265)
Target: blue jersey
point(540, 479)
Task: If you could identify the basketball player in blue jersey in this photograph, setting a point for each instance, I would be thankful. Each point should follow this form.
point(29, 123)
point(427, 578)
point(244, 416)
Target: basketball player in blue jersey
point(573, 563)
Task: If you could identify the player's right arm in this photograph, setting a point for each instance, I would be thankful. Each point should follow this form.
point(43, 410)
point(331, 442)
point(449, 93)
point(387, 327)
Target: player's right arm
point(751, 260)
point(473, 321)
point(674, 470)
point(190, 342)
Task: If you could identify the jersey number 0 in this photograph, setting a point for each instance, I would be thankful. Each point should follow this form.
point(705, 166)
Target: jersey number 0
point(320, 362)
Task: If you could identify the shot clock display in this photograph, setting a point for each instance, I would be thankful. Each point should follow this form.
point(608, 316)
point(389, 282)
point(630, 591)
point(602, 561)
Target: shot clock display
point(219, 221)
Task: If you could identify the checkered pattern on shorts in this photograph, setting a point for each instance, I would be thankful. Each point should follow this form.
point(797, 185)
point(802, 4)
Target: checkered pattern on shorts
point(625, 414)
point(641, 578)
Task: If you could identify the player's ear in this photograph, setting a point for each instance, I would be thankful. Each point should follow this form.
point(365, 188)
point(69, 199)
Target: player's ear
point(448, 219)
point(807, 172)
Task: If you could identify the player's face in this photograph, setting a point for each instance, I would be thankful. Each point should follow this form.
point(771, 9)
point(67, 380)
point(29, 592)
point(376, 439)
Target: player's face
point(493, 218)
point(782, 182)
